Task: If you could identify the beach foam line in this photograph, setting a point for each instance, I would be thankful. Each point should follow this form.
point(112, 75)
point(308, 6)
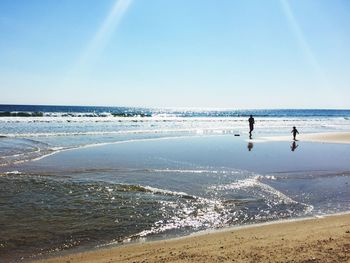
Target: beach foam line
point(153, 190)
point(198, 130)
point(262, 190)
point(15, 172)
point(194, 171)
point(254, 183)
point(307, 175)
point(29, 147)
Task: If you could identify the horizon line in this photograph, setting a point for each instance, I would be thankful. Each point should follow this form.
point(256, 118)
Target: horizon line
point(171, 107)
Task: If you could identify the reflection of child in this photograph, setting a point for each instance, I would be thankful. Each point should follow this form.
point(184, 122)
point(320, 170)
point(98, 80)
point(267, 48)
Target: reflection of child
point(295, 132)
point(293, 146)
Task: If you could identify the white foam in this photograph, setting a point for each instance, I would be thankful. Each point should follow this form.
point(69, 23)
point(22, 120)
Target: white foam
point(194, 171)
point(265, 190)
point(166, 192)
point(120, 132)
point(15, 172)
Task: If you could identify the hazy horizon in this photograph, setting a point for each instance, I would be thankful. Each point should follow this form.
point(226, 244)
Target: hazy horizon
point(172, 108)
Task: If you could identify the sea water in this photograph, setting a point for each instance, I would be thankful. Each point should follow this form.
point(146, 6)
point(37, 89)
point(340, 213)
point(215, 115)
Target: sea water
point(83, 177)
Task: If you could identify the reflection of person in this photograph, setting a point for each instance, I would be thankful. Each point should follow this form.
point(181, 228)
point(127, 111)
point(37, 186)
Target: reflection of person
point(295, 132)
point(250, 146)
point(251, 125)
point(293, 146)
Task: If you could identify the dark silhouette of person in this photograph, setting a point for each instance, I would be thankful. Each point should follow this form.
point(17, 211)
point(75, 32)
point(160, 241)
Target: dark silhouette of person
point(251, 125)
point(293, 146)
point(250, 146)
point(295, 132)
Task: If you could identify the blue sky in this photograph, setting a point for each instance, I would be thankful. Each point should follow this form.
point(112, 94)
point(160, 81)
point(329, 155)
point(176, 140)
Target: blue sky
point(176, 53)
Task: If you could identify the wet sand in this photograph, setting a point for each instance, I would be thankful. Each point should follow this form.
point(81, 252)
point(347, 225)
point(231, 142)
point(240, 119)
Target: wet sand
point(331, 137)
point(311, 240)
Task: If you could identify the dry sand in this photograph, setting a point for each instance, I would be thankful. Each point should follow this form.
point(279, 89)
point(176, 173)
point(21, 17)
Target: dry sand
point(312, 240)
point(331, 137)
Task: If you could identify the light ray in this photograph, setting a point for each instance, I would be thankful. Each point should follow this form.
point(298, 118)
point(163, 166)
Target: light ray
point(310, 57)
point(106, 30)
point(78, 74)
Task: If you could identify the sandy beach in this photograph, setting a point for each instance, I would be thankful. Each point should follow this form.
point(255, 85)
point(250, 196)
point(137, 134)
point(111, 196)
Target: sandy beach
point(311, 240)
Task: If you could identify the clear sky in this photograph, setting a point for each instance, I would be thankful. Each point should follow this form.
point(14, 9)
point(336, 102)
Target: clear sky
point(176, 53)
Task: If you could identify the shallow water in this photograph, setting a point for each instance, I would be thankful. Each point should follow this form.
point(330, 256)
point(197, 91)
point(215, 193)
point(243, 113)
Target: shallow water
point(159, 187)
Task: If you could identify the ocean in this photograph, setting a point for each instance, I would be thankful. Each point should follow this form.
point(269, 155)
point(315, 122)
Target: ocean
point(75, 177)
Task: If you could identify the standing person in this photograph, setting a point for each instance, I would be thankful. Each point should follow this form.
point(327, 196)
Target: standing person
point(295, 132)
point(251, 125)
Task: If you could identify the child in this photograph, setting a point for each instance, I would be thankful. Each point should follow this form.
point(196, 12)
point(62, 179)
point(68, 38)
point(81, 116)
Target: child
point(295, 132)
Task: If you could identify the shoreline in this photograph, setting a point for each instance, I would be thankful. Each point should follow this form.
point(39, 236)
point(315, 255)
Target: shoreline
point(312, 239)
